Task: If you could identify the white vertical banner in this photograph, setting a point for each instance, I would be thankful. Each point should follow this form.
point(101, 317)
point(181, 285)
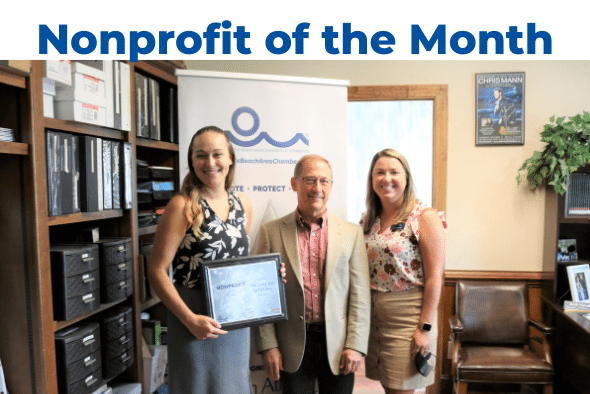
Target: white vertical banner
point(3, 389)
point(272, 121)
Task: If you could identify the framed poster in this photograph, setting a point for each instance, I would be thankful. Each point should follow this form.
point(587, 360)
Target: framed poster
point(244, 291)
point(579, 279)
point(499, 114)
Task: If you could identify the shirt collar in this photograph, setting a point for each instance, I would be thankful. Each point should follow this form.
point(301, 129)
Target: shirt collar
point(321, 220)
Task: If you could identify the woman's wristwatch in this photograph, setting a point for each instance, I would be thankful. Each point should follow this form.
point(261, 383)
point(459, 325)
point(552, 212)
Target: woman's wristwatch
point(426, 327)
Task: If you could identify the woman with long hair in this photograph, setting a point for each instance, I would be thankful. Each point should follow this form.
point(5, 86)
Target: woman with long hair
point(405, 242)
point(205, 221)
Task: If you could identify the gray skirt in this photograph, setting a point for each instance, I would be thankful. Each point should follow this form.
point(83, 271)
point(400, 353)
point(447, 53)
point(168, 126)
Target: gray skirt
point(210, 366)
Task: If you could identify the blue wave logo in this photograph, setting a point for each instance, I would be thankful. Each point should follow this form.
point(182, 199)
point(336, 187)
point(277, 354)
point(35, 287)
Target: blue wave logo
point(263, 134)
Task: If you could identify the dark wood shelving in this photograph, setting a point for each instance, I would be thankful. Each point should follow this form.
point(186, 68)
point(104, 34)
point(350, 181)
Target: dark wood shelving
point(147, 230)
point(59, 324)
point(582, 261)
point(12, 77)
point(157, 144)
point(149, 303)
point(14, 148)
point(84, 128)
point(84, 217)
point(29, 354)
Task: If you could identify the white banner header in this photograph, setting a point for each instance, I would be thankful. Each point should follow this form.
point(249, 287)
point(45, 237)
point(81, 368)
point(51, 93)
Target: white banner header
point(305, 30)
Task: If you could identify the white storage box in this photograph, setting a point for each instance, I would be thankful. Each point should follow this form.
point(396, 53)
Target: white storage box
point(48, 96)
point(81, 112)
point(127, 388)
point(88, 85)
point(85, 88)
point(154, 368)
point(58, 70)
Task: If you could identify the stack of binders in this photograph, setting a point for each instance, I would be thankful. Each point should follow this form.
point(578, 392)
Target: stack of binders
point(147, 107)
point(87, 174)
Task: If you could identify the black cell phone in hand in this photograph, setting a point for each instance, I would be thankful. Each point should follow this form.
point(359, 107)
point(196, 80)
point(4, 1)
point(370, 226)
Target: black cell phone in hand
point(422, 364)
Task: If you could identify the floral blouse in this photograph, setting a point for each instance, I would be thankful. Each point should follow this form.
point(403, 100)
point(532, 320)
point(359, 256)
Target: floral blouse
point(394, 256)
point(220, 240)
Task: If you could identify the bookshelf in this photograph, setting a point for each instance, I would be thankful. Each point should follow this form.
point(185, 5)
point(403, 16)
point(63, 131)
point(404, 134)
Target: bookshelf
point(27, 348)
point(571, 225)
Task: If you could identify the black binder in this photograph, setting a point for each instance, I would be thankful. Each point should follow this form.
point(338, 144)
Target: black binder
point(54, 164)
point(107, 183)
point(169, 121)
point(89, 162)
point(70, 195)
point(116, 168)
point(142, 106)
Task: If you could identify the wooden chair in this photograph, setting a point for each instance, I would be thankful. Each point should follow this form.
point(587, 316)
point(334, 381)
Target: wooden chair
point(491, 338)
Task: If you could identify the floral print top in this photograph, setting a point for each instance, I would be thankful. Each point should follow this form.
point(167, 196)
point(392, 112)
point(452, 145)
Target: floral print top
point(394, 256)
point(220, 240)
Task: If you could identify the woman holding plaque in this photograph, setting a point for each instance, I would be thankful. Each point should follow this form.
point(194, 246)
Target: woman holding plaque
point(405, 242)
point(205, 221)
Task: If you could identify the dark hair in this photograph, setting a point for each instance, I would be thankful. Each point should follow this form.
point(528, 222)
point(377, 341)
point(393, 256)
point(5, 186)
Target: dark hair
point(192, 185)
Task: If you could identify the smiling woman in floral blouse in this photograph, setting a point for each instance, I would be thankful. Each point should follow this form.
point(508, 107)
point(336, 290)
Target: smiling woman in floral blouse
point(405, 242)
point(205, 221)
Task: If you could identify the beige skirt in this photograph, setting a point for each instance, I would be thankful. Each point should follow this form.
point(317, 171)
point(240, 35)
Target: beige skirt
point(394, 318)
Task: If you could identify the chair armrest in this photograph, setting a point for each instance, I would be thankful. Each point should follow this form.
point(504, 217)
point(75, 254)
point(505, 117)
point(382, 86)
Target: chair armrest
point(456, 327)
point(544, 341)
point(455, 324)
point(545, 329)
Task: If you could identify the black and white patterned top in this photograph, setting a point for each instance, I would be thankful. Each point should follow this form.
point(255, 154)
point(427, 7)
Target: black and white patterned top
point(220, 240)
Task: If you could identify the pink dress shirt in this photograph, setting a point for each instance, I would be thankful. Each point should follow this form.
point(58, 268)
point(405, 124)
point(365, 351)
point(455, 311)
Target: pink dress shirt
point(312, 240)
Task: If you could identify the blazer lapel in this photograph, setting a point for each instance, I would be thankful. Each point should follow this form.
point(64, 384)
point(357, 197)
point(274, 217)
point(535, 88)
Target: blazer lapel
point(334, 242)
point(289, 236)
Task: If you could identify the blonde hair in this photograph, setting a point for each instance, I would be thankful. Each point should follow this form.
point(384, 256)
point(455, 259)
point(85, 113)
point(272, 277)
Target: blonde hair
point(192, 185)
point(374, 207)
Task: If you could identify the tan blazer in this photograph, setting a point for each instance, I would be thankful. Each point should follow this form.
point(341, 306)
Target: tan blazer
point(347, 303)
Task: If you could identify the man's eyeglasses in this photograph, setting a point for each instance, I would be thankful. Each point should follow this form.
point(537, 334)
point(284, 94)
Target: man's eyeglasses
point(309, 181)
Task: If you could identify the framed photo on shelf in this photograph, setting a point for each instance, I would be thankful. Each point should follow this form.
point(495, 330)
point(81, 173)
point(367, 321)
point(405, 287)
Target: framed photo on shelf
point(579, 280)
point(566, 250)
point(499, 111)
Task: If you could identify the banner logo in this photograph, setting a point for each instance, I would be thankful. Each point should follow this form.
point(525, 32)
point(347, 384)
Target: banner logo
point(262, 136)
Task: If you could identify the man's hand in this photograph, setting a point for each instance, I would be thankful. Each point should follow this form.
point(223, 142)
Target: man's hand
point(350, 361)
point(272, 362)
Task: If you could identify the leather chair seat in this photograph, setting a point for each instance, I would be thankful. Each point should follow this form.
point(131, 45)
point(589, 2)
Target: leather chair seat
point(506, 364)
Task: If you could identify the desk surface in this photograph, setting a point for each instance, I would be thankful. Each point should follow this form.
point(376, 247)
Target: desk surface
point(570, 348)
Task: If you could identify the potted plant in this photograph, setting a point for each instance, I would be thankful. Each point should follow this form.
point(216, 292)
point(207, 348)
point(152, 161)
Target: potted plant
point(565, 151)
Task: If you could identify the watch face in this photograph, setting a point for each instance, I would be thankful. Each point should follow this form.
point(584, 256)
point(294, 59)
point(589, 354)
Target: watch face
point(426, 326)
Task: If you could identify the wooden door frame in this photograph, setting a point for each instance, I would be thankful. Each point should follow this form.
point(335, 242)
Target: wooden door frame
point(438, 94)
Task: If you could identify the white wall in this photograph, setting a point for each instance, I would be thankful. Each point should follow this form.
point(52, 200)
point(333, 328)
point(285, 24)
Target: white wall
point(493, 223)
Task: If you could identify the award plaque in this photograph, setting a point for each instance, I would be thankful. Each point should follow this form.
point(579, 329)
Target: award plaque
point(244, 291)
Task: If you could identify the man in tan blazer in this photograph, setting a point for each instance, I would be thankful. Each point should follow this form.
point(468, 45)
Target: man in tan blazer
point(327, 290)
